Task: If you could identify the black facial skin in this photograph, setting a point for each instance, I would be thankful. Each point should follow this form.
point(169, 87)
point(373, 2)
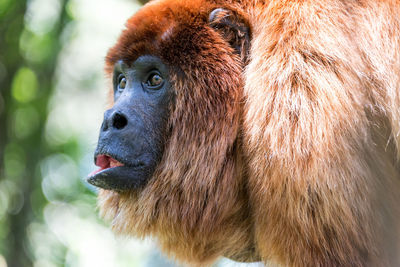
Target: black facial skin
point(133, 130)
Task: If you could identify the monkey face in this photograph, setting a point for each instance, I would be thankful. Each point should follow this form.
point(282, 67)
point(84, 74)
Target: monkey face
point(132, 135)
point(135, 130)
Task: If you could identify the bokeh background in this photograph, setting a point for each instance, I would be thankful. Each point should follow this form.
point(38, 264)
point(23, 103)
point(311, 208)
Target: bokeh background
point(52, 96)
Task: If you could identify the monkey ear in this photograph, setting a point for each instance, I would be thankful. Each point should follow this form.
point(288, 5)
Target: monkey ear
point(234, 29)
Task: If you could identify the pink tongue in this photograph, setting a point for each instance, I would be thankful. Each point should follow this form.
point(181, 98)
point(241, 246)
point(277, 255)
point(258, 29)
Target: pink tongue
point(105, 162)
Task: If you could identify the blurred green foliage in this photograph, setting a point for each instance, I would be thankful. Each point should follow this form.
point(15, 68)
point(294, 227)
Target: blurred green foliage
point(27, 67)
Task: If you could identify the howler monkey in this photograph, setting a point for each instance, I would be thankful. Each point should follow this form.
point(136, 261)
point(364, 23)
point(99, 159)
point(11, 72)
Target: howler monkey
point(257, 130)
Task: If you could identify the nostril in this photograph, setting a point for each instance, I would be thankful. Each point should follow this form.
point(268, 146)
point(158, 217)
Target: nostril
point(119, 121)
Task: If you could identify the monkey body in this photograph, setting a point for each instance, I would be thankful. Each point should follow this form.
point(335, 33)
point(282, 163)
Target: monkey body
point(281, 139)
point(322, 125)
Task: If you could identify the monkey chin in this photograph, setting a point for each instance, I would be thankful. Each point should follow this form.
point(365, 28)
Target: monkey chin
point(117, 176)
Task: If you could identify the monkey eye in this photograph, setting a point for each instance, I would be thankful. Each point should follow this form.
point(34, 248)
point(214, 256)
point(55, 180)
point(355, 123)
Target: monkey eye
point(154, 81)
point(121, 82)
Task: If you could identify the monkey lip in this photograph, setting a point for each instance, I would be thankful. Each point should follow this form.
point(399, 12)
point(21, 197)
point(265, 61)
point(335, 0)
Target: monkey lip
point(117, 176)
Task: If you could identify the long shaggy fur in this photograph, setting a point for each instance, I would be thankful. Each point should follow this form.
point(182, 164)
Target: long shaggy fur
point(321, 127)
point(291, 159)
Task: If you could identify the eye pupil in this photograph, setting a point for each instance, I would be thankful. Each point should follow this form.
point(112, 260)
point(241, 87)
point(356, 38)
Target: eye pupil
point(155, 80)
point(122, 83)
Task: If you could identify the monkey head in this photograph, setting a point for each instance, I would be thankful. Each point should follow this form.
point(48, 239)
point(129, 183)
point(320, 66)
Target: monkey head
point(168, 148)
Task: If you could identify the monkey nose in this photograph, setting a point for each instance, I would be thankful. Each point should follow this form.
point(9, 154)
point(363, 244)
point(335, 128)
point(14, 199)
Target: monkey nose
point(114, 120)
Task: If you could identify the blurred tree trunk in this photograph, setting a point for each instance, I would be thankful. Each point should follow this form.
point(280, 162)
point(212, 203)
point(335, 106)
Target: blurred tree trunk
point(32, 146)
point(11, 19)
point(11, 27)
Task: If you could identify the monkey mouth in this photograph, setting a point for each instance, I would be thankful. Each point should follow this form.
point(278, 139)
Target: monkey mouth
point(114, 175)
point(105, 162)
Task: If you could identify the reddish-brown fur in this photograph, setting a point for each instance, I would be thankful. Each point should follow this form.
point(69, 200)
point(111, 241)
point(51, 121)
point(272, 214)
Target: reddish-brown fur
point(306, 171)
